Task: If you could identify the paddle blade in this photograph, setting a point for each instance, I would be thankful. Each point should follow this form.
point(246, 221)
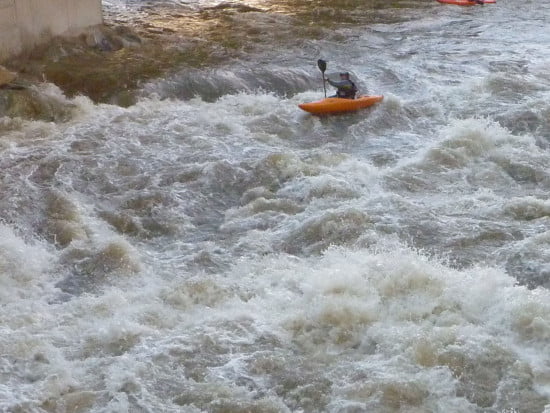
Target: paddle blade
point(322, 65)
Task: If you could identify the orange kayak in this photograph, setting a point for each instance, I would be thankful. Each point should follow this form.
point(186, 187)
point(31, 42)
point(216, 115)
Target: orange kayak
point(465, 2)
point(338, 105)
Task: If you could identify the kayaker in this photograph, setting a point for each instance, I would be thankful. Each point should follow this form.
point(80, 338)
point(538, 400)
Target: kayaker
point(346, 88)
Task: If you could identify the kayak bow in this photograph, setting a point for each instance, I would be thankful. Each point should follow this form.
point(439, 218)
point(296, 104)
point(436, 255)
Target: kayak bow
point(465, 2)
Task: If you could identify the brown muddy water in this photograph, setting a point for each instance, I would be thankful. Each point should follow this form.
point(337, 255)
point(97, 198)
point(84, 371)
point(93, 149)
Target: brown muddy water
point(176, 235)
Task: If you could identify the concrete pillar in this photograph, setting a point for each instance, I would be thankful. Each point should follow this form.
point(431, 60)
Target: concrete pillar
point(10, 40)
point(27, 23)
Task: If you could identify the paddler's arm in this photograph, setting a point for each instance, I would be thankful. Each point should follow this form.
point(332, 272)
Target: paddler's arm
point(343, 84)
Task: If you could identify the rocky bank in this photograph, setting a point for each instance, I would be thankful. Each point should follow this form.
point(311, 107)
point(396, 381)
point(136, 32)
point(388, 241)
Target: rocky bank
point(109, 63)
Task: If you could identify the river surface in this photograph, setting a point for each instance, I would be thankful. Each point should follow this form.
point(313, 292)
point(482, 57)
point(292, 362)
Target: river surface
point(212, 248)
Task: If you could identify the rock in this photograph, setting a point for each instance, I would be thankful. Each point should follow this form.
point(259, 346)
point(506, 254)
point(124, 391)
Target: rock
point(126, 36)
point(6, 76)
point(96, 38)
point(105, 45)
point(29, 103)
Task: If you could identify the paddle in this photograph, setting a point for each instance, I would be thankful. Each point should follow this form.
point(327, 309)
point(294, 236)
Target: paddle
point(322, 67)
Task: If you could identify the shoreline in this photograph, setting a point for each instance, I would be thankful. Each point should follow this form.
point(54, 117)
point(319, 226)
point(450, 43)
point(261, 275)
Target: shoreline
point(109, 62)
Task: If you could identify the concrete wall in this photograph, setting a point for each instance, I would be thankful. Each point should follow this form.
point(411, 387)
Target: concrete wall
point(27, 23)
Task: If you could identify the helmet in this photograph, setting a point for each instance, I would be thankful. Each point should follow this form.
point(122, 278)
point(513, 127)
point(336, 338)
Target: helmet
point(344, 74)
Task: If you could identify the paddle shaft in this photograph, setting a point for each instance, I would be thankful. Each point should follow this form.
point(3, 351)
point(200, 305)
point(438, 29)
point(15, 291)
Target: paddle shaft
point(322, 67)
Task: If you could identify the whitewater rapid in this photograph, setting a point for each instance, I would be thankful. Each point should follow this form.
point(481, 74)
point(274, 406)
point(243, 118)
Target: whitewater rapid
point(213, 249)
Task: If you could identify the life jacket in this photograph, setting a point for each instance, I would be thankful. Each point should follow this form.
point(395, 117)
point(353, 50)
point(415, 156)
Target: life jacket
point(347, 92)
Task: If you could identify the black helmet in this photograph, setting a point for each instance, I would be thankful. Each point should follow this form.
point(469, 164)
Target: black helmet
point(346, 74)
